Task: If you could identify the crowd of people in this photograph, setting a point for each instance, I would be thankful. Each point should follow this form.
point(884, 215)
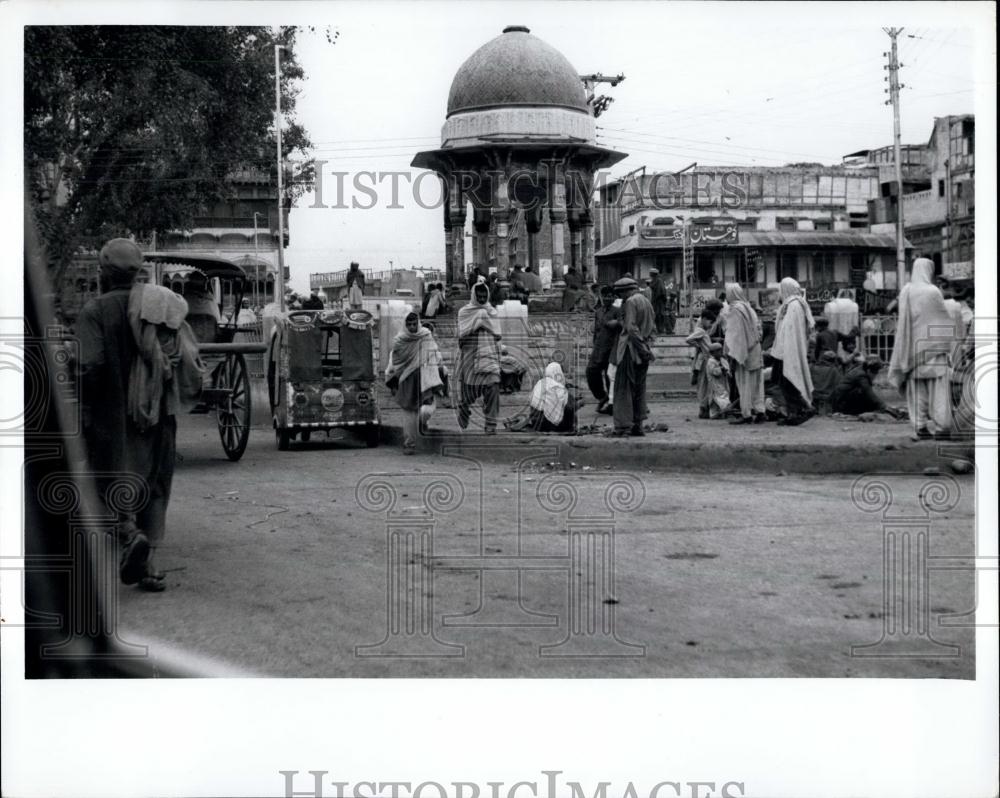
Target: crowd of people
point(139, 366)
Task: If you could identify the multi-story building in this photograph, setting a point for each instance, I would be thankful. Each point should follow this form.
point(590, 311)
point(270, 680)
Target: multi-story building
point(243, 229)
point(938, 194)
point(804, 221)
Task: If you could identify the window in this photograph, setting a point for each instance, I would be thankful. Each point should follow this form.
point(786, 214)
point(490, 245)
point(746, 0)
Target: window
point(788, 265)
point(822, 268)
point(958, 190)
point(703, 267)
point(748, 225)
point(786, 225)
point(749, 263)
point(940, 188)
point(823, 224)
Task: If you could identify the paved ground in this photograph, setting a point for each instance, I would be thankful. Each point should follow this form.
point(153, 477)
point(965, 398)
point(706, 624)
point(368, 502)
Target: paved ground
point(274, 566)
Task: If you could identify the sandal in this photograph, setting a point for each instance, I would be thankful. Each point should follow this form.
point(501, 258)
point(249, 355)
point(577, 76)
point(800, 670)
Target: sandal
point(151, 584)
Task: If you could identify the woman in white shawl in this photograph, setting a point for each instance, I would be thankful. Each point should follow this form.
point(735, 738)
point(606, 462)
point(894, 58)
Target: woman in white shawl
point(551, 409)
point(790, 352)
point(742, 346)
point(414, 375)
point(920, 366)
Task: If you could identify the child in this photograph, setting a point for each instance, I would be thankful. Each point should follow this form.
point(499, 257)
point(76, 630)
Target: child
point(826, 339)
point(701, 342)
point(717, 379)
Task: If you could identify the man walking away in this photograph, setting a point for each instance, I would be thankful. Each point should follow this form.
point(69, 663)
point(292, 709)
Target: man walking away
point(478, 370)
point(607, 324)
point(129, 398)
point(920, 366)
point(632, 357)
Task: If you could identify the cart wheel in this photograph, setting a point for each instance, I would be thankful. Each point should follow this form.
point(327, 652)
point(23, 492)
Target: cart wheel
point(305, 435)
point(234, 412)
point(372, 435)
point(283, 439)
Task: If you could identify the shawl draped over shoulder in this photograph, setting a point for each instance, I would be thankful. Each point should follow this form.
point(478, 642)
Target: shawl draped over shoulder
point(925, 330)
point(791, 337)
point(478, 327)
point(413, 351)
point(742, 329)
point(549, 394)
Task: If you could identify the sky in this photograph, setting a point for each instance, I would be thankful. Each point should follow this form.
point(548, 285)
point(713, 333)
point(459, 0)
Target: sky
point(717, 84)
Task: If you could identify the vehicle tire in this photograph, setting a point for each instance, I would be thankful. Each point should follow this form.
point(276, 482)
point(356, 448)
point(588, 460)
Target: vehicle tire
point(305, 435)
point(283, 438)
point(233, 415)
point(372, 436)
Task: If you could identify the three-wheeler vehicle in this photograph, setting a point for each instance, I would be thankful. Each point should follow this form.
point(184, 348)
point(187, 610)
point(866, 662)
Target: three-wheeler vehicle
point(321, 375)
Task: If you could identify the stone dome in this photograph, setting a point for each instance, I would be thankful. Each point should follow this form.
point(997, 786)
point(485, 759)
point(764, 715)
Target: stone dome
point(516, 69)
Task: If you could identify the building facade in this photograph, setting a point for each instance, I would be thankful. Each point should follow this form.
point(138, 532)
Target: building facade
point(809, 222)
point(243, 229)
point(938, 194)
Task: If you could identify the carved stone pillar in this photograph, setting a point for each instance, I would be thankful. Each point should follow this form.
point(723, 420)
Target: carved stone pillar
point(557, 219)
point(576, 240)
point(501, 218)
point(481, 222)
point(587, 244)
point(456, 219)
point(449, 254)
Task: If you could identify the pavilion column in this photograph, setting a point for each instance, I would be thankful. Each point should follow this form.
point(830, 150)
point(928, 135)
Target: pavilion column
point(557, 220)
point(575, 241)
point(587, 243)
point(456, 220)
point(448, 246)
point(481, 223)
point(501, 214)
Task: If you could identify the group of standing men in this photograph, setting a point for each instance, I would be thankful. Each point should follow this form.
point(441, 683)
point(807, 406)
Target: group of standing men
point(621, 355)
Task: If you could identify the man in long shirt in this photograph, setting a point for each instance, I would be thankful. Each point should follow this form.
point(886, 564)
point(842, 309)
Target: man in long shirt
point(607, 323)
point(116, 449)
point(658, 297)
point(632, 357)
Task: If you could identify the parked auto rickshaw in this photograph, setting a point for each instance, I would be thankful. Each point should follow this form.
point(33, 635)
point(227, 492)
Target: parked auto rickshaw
point(321, 375)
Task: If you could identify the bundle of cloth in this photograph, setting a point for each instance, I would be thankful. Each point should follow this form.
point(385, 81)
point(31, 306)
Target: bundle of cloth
point(168, 369)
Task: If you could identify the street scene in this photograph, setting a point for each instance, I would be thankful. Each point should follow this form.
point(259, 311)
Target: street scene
point(484, 400)
point(634, 404)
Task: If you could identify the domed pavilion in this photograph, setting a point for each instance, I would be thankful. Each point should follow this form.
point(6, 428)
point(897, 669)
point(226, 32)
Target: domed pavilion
point(519, 147)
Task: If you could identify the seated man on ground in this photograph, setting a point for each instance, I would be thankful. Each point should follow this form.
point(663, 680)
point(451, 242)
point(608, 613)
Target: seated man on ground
point(855, 394)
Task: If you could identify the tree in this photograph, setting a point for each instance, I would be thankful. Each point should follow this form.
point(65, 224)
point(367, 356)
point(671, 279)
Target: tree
point(133, 130)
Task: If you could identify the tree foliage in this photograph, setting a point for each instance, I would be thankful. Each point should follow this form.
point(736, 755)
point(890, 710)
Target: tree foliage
point(133, 130)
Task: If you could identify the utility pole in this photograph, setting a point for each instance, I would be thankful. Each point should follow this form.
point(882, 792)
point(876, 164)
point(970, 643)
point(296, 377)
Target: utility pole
point(893, 90)
point(281, 202)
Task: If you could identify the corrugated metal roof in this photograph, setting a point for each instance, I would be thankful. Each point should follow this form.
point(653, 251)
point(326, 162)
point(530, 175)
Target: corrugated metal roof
point(840, 239)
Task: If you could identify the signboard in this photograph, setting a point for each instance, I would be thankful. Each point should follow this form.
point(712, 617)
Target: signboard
point(962, 270)
point(714, 233)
